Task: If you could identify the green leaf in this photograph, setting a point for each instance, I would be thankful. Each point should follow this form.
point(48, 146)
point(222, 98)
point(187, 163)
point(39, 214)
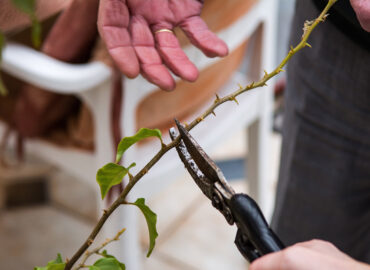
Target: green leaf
point(151, 220)
point(2, 43)
point(107, 264)
point(36, 33)
point(27, 6)
point(127, 142)
point(110, 175)
point(3, 90)
point(56, 264)
point(106, 255)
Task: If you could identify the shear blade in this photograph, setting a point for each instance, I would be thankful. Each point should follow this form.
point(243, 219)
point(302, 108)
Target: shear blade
point(203, 161)
point(199, 178)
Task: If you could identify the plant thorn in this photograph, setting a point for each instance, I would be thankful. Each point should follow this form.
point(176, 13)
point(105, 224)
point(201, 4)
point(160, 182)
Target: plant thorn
point(200, 119)
point(308, 45)
point(235, 100)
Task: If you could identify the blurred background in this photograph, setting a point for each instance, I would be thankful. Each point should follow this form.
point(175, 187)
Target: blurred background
point(63, 116)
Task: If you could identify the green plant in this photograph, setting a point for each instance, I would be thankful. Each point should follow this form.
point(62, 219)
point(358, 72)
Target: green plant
point(28, 7)
point(113, 173)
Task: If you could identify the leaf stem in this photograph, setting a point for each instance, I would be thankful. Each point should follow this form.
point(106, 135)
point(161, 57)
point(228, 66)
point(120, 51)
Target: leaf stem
point(98, 249)
point(166, 147)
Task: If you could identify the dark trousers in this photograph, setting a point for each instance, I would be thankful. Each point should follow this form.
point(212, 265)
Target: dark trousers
point(324, 180)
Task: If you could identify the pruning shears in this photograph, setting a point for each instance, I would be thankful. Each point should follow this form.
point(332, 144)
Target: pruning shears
point(254, 237)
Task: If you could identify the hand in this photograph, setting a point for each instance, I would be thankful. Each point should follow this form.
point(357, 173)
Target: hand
point(362, 9)
point(315, 254)
point(129, 27)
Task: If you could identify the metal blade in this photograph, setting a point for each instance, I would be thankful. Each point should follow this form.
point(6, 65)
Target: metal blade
point(202, 160)
point(199, 178)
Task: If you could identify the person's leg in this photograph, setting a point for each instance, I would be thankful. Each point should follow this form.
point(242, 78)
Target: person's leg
point(324, 181)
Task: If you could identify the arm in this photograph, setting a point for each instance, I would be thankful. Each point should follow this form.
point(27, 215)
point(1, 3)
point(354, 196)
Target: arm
point(315, 254)
point(130, 30)
point(362, 9)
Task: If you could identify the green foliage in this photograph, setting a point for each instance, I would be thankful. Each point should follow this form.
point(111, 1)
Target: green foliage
point(3, 90)
point(2, 43)
point(106, 255)
point(56, 264)
point(26, 6)
point(29, 7)
point(151, 220)
point(127, 142)
point(36, 33)
point(107, 263)
point(110, 175)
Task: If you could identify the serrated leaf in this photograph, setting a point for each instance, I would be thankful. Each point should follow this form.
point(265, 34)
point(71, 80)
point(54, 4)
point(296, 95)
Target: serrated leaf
point(56, 264)
point(110, 175)
point(151, 220)
point(107, 264)
point(127, 142)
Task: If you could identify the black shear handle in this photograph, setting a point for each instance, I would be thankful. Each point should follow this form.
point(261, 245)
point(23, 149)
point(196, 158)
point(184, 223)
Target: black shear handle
point(254, 237)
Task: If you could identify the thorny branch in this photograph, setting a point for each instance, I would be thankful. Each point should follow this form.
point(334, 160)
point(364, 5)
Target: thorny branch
point(308, 28)
point(98, 249)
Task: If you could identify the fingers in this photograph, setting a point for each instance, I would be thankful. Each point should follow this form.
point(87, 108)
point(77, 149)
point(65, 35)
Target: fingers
point(268, 262)
point(200, 36)
point(362, 9)
point(113, 21)
point(174, 57)
point(151, 64)
point(324, 247)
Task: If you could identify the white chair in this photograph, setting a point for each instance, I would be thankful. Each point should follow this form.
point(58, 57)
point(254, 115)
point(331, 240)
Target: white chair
point(91, 82)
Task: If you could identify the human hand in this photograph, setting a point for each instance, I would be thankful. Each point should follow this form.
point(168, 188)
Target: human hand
point(362, 9)
point(129, 29)
point(314, 254)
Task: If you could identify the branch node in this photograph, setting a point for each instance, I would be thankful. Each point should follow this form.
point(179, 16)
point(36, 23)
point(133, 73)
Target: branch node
point(217, 98)
point(233, 98)
point(251, 85)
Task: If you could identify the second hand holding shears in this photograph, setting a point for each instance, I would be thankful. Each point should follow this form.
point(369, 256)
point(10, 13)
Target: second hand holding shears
point(254, 237)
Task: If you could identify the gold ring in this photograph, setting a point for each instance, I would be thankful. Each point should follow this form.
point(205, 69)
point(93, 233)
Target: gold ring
point(163, 30)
